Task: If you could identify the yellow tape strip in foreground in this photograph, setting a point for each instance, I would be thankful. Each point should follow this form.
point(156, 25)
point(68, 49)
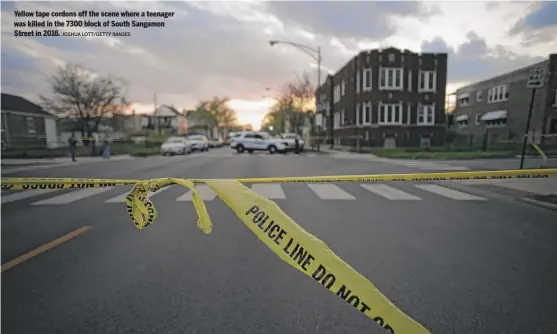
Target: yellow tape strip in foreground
point(288, 240)
point(59, 183)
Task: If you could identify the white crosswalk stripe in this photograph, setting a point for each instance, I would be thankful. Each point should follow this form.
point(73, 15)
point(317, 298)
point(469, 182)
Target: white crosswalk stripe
point(273, 191)
point(449, 193)
point(330, 192)
point(71, 197)
point(389, 192)
point(269, 191)
point(25, 194)
point(122, 197)
point(203, 190)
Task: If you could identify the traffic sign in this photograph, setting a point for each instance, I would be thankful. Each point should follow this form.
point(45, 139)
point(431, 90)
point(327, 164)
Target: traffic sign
point(536, 78)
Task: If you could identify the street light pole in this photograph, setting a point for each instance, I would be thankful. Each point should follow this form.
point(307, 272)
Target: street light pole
point(315, 54)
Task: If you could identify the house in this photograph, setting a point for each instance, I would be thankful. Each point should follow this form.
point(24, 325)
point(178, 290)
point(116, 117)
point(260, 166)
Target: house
point(497, 108)
point(167, 119)
point(387, 97)
point(26, 124)
point(199, 123)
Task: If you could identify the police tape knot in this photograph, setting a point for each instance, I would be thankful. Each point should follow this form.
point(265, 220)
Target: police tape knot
point(203, 219)
point(140, 209)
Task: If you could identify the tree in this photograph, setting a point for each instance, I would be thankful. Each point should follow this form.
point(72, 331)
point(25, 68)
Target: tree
point(217, 112)
point(293, 107)
point(87, 97)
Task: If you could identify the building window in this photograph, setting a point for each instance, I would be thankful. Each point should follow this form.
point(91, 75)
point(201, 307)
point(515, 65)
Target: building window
point(30, 125)
point(367, 79)
point(342, 118)
point(410, 80)
point(390, 114)
point(555, 98)
point(464, 101)
point(343, 88)
point(336, 120)
point(366, 111)
point(336, 93)
point(498, 94)
point(462, 124)
point(358, 85)
point(479, 96)
point(428, 81)
point(496, 123)
point(426, 114)
point(318, 119)
point(390, 78)
point(477, 119)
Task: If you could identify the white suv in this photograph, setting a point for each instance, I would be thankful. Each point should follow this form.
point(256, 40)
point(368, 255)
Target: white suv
point(199, 143)
point(290, 139)
point(257, 141)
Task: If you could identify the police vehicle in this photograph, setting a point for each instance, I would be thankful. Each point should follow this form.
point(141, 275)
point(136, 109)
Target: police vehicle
point(257, 141)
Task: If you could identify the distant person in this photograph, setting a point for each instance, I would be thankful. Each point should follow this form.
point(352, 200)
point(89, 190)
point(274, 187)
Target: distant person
point(73, 146)
point(297, 144)
point(106, 150)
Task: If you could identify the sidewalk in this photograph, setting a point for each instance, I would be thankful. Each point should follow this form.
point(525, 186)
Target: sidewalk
point(58, 160)
point(345, 153)
point(24, 165)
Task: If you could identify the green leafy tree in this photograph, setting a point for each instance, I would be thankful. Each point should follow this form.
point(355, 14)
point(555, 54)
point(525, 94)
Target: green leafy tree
point(217, 113)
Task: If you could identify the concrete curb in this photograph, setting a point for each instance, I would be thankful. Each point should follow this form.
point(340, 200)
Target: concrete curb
point(535, 202)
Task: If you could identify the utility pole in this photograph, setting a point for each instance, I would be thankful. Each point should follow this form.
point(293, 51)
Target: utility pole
point(536, 79)
point(157, 124)
point(331, 110)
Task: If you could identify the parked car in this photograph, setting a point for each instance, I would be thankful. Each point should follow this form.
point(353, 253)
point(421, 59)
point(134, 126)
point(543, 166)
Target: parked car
point(214, 143)
point(199, 143)
point(176, 145)
point(231, 137)
point(257, 141)
point(290, 139)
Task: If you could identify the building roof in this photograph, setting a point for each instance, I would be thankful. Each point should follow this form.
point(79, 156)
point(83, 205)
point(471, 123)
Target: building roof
point(507, 76)
point(18, 103)
point(167, 111)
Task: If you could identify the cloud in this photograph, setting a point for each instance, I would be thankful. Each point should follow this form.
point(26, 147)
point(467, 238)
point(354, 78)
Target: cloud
point(545, 15)
point(474, 60)
point(221, 48)
point(539, 25)
point(348, 19)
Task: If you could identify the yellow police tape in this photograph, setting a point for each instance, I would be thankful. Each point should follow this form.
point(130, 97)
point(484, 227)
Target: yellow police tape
point(288, 240)
point(15, 183)
point(279, 232)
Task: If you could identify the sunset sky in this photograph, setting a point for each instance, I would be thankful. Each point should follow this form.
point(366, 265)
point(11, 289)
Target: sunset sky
point(221, 48)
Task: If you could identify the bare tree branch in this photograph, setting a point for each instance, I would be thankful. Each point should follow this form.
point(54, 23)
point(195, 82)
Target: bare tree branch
point(80, 94)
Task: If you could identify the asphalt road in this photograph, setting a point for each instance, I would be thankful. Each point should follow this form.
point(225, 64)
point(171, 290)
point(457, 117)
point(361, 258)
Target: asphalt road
point(501, 164)
point(456, 264)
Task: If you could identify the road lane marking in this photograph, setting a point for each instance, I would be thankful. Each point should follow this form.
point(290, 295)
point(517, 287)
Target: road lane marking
point(330, 192)
point(203, 190)
point(389, 192)
point(37, 251)
point(71, 197)
point(269, 191)
point(457, 168)
point(25, 194)
point(122, 197)
point(449, 193)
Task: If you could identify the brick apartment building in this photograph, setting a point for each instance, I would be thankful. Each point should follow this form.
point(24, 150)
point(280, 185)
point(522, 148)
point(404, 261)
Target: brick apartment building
point(497, 108)
point(387, 97)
